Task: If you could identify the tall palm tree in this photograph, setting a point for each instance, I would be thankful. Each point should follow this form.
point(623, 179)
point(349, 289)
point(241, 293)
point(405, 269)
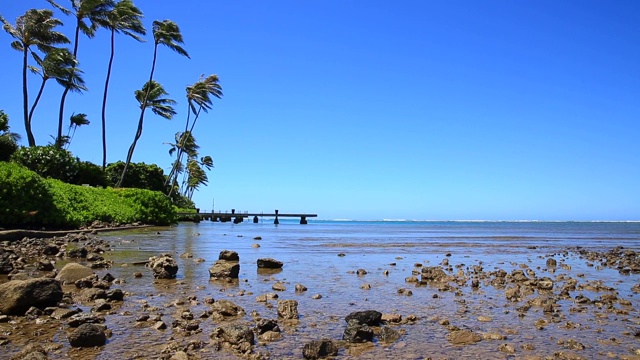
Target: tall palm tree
point(165, 33)
point(151, 96)
point(90, 15)
point(185, 143)
point(198, 99)
point(196, 175)
point(60, 65)
point(125, 17)
point(34, 28)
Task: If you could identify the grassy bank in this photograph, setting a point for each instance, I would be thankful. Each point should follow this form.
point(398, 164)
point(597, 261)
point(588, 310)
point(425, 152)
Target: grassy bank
point(28, 200)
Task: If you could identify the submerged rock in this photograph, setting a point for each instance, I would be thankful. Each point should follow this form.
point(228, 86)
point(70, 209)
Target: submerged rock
point(367, 317)
point(318, 349)
point(88, 335)
point(357, 333)
point(269, 263)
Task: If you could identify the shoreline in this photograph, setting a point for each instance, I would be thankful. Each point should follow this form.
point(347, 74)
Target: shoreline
point(18, 234)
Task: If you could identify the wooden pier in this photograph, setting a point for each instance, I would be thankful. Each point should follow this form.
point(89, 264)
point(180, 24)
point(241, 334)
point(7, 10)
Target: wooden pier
point(238, 217)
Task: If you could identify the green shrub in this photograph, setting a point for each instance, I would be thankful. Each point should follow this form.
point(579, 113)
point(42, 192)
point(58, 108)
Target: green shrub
point(150, 206)
point(91, 174)
point(28, 200)
point(139, 176)
point(48, 161)
point(7, 147)
point(24, 197)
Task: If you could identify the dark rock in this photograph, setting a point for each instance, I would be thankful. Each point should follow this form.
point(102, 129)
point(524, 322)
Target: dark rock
point(264, 325)
point(45, 265)
point(288, 309)
point(318, 349)
point(223, 269)
point(88, 335)
point(163, 266)
point(51, 249)
point(229, 255)
point(357, 333)
point(108, 278)
point(226, 308)
point(368, 317)
point(269, 263)
point(115, 295)
point(80, 319)
point(433, 274)
point(16, 296)
point(551, 262)
point(77, 253)
point(6, 266)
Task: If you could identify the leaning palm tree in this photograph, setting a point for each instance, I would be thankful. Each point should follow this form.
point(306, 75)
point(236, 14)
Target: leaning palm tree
point(90, 15)
point(34, 28)
point(75, 121)
point(125, 17)
point(185, 144)
point(151, 96)
point(198, 99)
point(165, 33)
point(60, 65)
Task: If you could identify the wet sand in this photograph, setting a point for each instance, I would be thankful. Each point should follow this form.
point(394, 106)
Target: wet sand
point(536, 323)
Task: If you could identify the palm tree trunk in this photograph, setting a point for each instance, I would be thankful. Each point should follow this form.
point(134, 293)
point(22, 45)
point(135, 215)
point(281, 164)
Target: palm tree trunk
point(66, 89)
point(143, 107)
point(179, 152)
point(25, 99)
point(104, 102)
point(35, 103)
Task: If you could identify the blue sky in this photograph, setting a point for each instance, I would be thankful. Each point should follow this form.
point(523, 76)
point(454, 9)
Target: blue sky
point(378, 109)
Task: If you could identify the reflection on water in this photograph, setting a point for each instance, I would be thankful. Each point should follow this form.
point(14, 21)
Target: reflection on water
point(310, 254)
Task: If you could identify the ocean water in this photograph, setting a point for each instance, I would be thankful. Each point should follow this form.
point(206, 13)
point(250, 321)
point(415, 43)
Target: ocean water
point(325, 256)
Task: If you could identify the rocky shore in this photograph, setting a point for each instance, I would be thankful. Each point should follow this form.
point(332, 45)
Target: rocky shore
point(58, 296)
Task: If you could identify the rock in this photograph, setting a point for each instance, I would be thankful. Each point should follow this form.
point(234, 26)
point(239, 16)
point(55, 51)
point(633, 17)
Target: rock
point(160, 325)
point(228, 255)
point(357, 333)
point(300, 288)
point(234, 334)
point(430, 274)
point(77, 253)
point(223, 269)
point(45, 265)
point(463, 337)
point(31, 352)
point(388, 335)
point(226, 308)
point(163, 266)
point(264, 325)
point(17, 296)
point(288, 309)
point(318, 349)
point(62, 313)
point(484, 318)
point(88, 335)
point(545, 283)
point(6, 266)
point(179, 355)
point(391, 318)
point(73, 272)
point(551, 263)
point(361, 272)
point(115, 295)
point(368, 317)
point(269, 263)
point(80, 319)
point(279, 287)
point(506, 348)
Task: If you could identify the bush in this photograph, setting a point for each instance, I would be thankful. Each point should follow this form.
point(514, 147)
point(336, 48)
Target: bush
point(139, 176)
point(7, 147)
point(28, 200)
point(91, 174)
point(24, 197)
point(48, 161)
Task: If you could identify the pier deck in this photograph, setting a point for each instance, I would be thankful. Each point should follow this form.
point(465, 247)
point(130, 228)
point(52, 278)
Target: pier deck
point(238, 217)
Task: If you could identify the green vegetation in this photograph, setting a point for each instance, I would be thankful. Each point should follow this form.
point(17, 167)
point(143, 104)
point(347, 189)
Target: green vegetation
point(27, 199)
point(43, 53)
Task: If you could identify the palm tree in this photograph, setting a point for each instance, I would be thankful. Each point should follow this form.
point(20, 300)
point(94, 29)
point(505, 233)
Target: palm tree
point(58, 64)
point(34, 28)
point(184, 143)
point(151, 96)
point(93, 11)
point(165, 33)
point(198, 99)
point(75, 121)
point(8, 139)
point(196, 175)
point(125, 17)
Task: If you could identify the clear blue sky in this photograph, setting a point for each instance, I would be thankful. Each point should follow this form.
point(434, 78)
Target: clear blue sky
point(380, 109)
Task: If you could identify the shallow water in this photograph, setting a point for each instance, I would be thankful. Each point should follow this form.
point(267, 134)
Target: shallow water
point(310, 254)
